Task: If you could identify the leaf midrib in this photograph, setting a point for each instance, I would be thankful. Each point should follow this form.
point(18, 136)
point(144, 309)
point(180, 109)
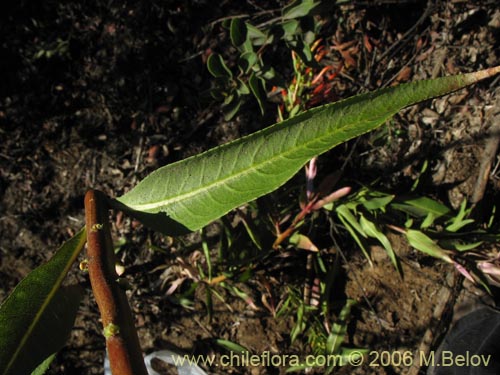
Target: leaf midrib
point(244, 172)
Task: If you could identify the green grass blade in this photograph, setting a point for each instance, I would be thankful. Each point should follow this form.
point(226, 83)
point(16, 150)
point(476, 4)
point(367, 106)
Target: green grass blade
point(353, 227)
point(187, 195)
point(373, 231)
point(36, 318)
point(339, 329)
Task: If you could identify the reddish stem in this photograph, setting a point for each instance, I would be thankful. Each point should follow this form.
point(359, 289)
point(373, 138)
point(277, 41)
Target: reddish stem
point(289, 231)
point(122, 342)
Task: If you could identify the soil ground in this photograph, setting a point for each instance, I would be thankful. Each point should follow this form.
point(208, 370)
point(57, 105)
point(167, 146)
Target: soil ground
point(99, 95)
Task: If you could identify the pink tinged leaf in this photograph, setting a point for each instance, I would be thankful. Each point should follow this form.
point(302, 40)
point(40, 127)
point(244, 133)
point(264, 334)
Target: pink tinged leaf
point(315, 293)
point(267, 305)
point(337, 194)
point(464, 272)
point(188, 270)
point(303, 242)
point(311, 171)
point(489, 268)
point(175, 285)
point(120, 269)
point(251, 304)
point(491, 271)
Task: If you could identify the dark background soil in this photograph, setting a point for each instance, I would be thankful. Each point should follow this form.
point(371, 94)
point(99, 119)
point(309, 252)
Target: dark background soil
point(126, 90)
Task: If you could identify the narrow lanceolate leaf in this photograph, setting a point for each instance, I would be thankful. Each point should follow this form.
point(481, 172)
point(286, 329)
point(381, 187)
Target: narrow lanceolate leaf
point(36, 319)
point(373, 231)
point(427, 245)
point(422, 207)
point(339, 329)
point(193, 192)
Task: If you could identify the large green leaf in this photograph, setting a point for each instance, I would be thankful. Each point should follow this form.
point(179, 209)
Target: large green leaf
point(36, 318)
point(186, 195)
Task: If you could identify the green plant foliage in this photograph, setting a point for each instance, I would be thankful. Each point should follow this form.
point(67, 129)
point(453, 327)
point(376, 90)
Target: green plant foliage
point(296, 28)
point(348, 219)
point(339, 329)
point(328, 344)
point(58, 48)
point(372, 230)
point(433, 228)
point(427, 245)
point(299, 34)
point(36, 318)
point(238, 32)
point(257, 87)
point(231, 346)
point(257, 36)
point(187, 195)
point(217, 67)
point(299, 8)
point(423, 207)
point(248, 61)
point(232, 105)
point(44, 366)
point(377, 203)
point(460, 221)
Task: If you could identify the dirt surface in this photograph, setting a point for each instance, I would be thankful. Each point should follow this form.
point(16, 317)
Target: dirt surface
point(124, 90)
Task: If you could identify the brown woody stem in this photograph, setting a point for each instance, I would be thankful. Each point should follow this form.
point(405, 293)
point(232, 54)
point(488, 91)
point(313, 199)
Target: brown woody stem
point(122, 342)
